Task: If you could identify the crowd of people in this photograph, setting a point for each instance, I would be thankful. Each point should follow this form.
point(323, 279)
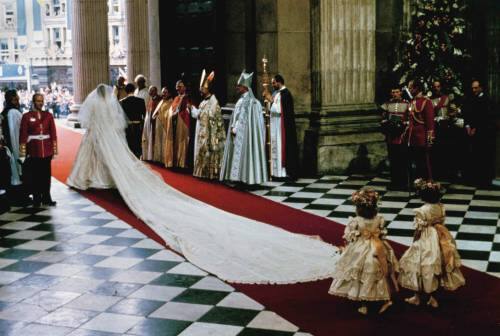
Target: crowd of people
point(57, 100)
point(432, 137)
point(172, 130)
point(165, 128)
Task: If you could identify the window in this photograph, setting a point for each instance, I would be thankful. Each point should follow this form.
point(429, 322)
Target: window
point(58, 37)
point(63, 8)
point(115, 33)
point(56, 7)
point(47, 10)
point(115, 7)
point(4, 44)
point(9, 15)
point(4, 50)
point(16, 45)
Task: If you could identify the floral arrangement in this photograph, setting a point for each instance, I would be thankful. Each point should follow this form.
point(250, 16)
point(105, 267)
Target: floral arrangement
point(366, 197)
point(421, 184)
point(434, 46)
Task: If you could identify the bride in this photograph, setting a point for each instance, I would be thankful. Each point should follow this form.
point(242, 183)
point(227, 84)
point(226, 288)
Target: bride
point(234, 248)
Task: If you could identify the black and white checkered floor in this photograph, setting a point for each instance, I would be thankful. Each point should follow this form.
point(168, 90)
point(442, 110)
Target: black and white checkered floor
point(77, 270)
point(472, 214)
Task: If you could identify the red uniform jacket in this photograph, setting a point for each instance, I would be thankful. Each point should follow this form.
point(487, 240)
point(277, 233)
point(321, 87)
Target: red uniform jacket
point(37, 136)
point(399, 108)
point(421, 127)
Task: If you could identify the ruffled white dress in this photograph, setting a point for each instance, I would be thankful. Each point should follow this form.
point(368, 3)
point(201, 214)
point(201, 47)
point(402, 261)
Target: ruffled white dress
point(432, 260)
point(366, 267)
point(234, 248)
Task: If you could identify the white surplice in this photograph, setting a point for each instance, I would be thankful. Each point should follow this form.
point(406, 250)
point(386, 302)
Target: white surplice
point(277, 169)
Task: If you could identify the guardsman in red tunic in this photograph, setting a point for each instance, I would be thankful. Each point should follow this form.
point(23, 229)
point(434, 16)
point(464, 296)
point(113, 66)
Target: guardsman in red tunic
point(420, 131)
point(38, 144)
point(394, 124)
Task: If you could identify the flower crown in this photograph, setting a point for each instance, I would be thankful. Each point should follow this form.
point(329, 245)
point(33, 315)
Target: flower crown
point(366, 197)
point(421, 184)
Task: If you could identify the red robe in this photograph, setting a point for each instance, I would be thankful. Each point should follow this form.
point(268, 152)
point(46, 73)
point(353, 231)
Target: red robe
point(37, 136)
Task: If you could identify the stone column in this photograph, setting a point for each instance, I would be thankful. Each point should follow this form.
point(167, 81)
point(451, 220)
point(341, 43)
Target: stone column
point(154, 43)
point(493, 76)
point(343, 124)
point(90, 49)
point(283, 35)
point(343, 53)
point(138, 42)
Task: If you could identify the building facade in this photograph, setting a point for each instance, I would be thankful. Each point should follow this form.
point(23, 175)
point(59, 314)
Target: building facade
point(36, 34)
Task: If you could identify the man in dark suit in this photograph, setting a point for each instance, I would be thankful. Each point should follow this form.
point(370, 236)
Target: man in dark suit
point(480, 129)
point(135, 109)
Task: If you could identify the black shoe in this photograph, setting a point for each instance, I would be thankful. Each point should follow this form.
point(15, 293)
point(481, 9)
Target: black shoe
point(49, 203)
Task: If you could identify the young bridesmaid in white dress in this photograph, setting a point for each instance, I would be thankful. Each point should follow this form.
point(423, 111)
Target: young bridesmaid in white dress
point(366, 269)
point(432, 261)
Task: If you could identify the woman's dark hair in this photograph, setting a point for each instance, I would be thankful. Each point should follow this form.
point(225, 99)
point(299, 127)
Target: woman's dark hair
point(9, 95)
point(367, 212)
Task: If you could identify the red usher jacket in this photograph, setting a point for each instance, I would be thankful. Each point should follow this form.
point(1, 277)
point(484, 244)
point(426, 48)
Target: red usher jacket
point(37, 136)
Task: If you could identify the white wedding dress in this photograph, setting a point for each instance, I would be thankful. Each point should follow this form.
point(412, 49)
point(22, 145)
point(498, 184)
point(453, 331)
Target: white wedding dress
point(234, 248)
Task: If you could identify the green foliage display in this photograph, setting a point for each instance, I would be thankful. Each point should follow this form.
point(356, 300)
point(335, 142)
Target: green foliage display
point(434, 46)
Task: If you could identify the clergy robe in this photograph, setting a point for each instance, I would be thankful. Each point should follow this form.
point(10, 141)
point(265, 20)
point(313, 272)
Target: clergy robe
point(284, 149)
point(161, 116)
point(148, 131)
point(11, 125)
point(244, 154)
point(177, 128)
point(209, 139)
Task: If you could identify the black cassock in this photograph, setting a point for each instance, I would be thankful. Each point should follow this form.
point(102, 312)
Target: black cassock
point(290, 134)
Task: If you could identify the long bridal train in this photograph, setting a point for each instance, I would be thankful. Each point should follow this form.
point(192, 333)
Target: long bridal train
point(234, 248)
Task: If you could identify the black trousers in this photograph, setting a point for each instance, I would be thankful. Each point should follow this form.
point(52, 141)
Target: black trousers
point(134, 138)
point(398, 161)
point(419, 157)
point(481, 158)
point(447, 153)
point(37, 175)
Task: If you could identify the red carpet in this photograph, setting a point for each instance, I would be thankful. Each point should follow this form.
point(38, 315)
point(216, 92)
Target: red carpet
point(474, 309)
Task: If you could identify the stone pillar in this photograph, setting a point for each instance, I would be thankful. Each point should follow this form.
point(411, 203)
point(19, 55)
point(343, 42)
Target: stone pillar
point(138, 42)
point(343, 53)
point(344, 126)
point(493, 75)
point(90, 50)
point(154, 43)
point(283, 35)
point(239, 35)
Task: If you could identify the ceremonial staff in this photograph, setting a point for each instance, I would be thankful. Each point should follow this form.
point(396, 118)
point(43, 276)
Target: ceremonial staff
point(267, 112)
